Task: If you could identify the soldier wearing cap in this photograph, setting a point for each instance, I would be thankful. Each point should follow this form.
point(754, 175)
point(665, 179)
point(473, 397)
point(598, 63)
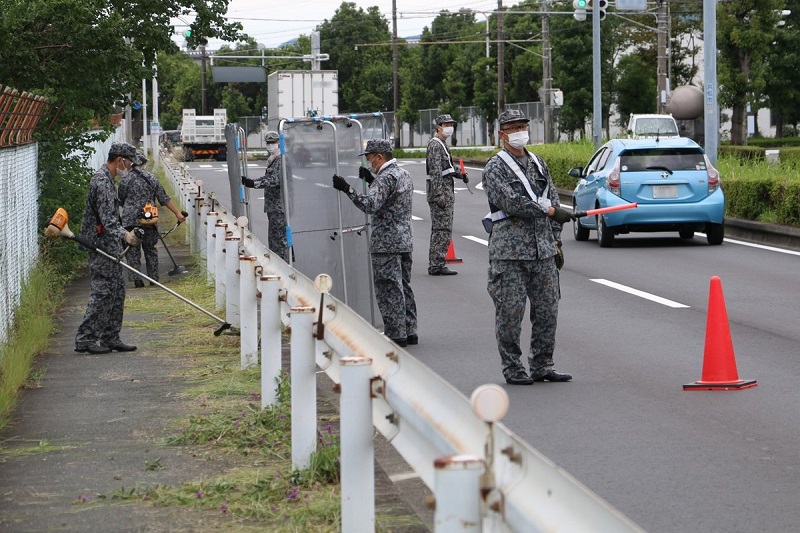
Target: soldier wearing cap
point(273, 202)
point(136, 190)
point(101, 225)
point(524, 252)
point(440, 191)
point(391, 243)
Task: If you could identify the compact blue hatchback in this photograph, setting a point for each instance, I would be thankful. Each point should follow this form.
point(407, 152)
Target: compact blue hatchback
point(672, 181)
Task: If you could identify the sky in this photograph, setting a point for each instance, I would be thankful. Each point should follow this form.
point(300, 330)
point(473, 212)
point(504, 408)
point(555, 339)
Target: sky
point(275, 22)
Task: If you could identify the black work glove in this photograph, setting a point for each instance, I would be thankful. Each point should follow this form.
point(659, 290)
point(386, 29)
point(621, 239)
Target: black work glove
point(247, 182)
point(580, 214)
point(562, 216)
point(366, 175)
point(464, 178)
point(559, 255)
point(340, 184)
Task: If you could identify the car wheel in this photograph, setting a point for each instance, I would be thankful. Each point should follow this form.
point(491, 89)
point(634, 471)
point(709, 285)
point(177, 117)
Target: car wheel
point(686, 234)
point(605, 236)
point(715, 233)
point(578, 231)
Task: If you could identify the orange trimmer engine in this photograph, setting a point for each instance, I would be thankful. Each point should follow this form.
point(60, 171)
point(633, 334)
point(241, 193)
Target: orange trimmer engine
point(149, 215)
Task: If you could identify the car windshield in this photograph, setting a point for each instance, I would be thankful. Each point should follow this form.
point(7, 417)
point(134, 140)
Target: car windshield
point(655, 126)
point(662, 159)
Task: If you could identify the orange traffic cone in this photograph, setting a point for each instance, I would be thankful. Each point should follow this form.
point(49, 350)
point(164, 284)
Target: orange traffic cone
point(719, 363)
point(451, 254)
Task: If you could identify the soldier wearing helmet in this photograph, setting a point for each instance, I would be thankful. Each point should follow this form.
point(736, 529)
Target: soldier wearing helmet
point(273, 201)
point(524, 252)
point(440, 192)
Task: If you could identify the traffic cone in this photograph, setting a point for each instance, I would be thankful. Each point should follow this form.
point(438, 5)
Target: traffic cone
point(719, 363)
point(451, 254)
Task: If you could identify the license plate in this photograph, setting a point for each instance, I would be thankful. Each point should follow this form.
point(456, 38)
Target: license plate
point(665, 191)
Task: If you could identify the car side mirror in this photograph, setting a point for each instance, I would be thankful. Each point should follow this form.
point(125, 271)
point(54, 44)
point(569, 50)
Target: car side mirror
point(576, 172)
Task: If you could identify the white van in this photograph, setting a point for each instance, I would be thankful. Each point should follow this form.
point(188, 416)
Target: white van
point(641, 126)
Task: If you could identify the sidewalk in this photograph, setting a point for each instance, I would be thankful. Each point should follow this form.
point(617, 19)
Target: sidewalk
point(89, 429)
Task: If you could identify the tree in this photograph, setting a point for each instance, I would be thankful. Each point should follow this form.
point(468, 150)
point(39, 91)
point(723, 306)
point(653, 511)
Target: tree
point(783, 69)
point(745, 31)
point(414, 90)
point(636, 85)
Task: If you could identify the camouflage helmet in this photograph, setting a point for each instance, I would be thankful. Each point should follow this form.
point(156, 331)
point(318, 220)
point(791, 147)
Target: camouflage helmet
point(271, 137)
point(443, 119)
point(377, 146)
point(122, 150)
point(140, 159)
point(512, 115)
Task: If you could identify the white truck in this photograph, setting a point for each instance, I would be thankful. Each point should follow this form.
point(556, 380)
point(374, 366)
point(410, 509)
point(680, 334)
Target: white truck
point(203, 136)
point(301, 93)
point(641, 126)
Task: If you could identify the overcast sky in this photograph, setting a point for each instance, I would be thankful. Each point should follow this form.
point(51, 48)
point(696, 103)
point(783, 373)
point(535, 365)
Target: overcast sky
point(274, 22)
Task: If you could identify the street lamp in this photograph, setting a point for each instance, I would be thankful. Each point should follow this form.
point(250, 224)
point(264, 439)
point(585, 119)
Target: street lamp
point(468, 11)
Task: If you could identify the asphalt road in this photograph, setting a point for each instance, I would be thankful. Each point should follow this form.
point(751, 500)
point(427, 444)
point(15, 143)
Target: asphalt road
point(671, 460)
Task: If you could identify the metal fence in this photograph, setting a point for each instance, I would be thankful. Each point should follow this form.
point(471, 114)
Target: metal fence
point(484, 478)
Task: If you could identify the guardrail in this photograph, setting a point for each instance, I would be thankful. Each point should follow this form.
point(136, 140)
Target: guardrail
point(484, 477)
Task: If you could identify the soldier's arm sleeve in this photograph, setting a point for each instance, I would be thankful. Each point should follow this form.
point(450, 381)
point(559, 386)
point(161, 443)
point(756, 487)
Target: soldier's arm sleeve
point(554, 200)
point(272, 179)
point(161, 195)
point(108, 211)
point(376, 196)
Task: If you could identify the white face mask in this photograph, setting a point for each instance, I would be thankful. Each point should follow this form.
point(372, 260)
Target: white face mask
point(518, 139)
point(448, 131)
point(274, 148)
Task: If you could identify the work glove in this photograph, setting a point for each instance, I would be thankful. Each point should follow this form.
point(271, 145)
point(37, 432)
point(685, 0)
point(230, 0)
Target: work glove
point(131, 238)
point(340, 184)
point(366, 175)
point(580, 214)
point(247, 182)
point(562, 216)
point(559, 255)
point(464, 178)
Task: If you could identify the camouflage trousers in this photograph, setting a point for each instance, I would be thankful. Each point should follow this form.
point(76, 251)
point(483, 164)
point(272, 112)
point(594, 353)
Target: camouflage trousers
point(511, 284)
point(276, 234)
point(392, 277)
point(134, 255)
point(441, 229)
point(103, 318)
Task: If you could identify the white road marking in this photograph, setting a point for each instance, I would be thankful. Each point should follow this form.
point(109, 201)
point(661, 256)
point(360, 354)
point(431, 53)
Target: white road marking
point(640, 294)
point(205, 165)
point(476, 239)
point(415, 217)
point(759, 246)
point(402, 477)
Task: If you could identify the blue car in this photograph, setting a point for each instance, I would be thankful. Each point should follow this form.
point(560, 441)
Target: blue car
point(671, 179)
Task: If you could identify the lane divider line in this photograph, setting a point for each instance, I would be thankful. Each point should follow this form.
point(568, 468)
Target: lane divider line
point(640, 294)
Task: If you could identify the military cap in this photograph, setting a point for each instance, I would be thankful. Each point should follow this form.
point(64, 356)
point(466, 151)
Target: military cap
point(377, 146)
point(443, 119)
point(140, 159)
point(512, 115)
point(122, 150)
point(271, 137)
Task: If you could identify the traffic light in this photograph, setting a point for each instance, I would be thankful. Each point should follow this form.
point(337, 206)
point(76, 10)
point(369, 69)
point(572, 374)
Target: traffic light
point(187, 34)
point(602, 5)
point(580, 9)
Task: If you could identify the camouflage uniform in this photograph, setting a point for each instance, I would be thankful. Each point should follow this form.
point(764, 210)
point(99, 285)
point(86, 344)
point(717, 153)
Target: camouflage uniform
point(102, 225)
point(391, 243)
point(441, 199)
point(522, 249)
point(136, 189)
point(273, 206)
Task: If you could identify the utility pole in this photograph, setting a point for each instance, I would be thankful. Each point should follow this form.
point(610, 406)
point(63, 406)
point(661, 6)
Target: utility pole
point(501, 97)
point(547, 76)
point(662, 32)
point(710, 74)
point(203, 90)
point(597, 92)
point(395, 77)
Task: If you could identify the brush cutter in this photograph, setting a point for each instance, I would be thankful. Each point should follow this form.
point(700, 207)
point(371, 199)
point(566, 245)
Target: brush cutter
point(179, 269)
point(57, 227)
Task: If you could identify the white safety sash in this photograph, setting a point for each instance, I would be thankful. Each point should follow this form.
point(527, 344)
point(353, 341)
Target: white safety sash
point(449, 170)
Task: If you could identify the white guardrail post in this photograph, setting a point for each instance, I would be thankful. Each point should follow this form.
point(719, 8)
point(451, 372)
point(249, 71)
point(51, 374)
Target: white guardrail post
point(457, 486)
point(357, 452)
point(270, 286)
point(220, 234)
point(211, 246)
point(232, 280)
point(447, 441)
point(248, 316)
point(201, 237)
point(304, 387)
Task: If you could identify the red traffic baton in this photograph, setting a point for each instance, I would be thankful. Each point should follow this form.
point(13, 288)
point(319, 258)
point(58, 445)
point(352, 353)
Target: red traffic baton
point(464, 173)
point(604, 210)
